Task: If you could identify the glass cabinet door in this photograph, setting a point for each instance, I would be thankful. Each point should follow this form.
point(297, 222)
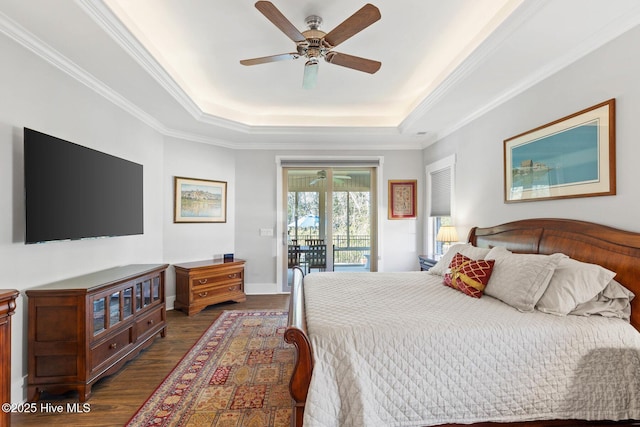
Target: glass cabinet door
point(127, 303)
point(148, 292)
point(138, 296)
point(156, 289)
point(99, 317)
point(146, 286)
point(114, 308)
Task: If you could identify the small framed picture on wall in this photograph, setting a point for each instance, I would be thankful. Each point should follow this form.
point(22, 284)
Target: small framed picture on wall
point(200, 200)
point(402, 199)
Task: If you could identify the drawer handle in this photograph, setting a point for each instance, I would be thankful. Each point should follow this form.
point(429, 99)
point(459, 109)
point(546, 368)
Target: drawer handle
point(202, 281)
point(113, 346)
point(231, 288)
point(150, 322)
point(233, 276)
point(203, 294)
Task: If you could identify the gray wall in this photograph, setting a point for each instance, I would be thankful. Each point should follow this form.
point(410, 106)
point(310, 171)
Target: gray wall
point(610, 72)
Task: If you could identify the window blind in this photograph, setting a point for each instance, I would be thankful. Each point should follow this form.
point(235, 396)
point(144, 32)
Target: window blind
point(440, 192)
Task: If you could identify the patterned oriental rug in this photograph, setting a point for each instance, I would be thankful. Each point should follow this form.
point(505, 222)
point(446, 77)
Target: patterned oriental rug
point(237, 374)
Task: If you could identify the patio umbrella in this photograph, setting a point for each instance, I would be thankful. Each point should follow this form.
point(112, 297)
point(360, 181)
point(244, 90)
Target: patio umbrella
point(307, 221)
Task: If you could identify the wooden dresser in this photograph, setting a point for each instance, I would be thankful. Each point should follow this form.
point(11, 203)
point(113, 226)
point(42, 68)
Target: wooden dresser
point(84, 328)
point(202, 283)
point(7, 308)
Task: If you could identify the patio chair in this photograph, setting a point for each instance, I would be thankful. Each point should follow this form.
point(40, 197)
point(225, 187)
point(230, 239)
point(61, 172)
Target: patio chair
point(293, 256)
point(316, 257)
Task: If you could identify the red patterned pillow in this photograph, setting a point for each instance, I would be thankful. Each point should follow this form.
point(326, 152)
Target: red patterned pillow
point(469, 276)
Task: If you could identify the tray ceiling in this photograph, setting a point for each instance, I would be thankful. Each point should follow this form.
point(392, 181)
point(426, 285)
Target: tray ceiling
point(175, 64)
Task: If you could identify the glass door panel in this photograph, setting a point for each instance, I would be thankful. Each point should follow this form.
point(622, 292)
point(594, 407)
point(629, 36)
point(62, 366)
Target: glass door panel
point(352, 219)
point(333, 208)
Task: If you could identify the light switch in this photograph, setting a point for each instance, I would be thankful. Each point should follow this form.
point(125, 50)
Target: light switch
point(266, 232)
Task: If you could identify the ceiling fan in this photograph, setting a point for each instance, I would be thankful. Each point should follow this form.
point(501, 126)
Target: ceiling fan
point(322, 175)
point(314, 44)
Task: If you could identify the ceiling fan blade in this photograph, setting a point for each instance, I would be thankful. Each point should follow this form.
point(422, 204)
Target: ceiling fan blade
point(272, 58)
point(279, 20)
point(310, 77)
point(357, 22)
point(355, 62)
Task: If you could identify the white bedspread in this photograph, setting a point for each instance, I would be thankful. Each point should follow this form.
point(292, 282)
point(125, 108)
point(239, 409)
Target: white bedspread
point(401, 349)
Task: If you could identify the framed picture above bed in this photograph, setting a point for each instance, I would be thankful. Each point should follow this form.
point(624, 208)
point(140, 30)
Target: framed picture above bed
point(402, 199)
point(571, 157)
point(200, 200)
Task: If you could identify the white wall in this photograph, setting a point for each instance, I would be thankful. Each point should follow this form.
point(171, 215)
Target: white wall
point(37, 95)
point(610, 72)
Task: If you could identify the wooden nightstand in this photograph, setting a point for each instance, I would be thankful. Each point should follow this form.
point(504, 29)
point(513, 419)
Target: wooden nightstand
point(426, 263)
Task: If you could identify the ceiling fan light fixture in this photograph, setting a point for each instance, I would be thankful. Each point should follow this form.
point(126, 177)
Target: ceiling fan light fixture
point(310, 77)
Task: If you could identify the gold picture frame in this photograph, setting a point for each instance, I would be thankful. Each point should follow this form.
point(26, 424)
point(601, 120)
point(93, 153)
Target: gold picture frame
point(199, 200)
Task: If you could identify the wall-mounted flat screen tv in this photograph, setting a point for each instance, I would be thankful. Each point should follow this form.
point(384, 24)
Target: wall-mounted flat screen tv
point(74, 192)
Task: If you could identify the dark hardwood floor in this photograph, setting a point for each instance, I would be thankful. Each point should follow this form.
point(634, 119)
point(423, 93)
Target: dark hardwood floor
point(116, 398)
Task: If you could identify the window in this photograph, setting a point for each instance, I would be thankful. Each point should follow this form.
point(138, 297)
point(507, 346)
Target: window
point(440, 196)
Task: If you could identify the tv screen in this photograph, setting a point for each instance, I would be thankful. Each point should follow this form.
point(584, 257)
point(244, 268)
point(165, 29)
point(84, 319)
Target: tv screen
point(74, 192)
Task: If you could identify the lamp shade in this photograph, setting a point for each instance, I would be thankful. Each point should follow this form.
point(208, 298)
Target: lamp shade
point(447, 233)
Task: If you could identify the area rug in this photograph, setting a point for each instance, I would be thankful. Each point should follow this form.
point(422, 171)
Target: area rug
point(237, 374)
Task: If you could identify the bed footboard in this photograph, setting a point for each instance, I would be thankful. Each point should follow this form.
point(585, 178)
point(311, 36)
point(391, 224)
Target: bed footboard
point(296, 334)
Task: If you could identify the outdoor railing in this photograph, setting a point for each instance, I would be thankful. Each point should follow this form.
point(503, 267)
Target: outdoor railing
point(352, 249)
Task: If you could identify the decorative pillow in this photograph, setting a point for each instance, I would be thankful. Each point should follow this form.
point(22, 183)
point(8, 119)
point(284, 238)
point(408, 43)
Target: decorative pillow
point(468, 276)
point(573, 283)
point(473, 252)
point(520, 279)
point(613, 301)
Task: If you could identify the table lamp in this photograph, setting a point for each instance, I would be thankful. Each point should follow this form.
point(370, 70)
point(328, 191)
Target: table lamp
point(446, 235)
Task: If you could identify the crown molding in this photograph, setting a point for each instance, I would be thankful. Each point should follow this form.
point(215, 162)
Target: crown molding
point(516, 13)
point(595, 41)
point(104, 17)
point(20, 35)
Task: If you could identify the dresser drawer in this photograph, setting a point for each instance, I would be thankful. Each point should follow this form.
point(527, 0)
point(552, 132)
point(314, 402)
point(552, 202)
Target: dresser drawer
point(111, 347)
point(149, 323)
point(216, 292)
point(208, 279)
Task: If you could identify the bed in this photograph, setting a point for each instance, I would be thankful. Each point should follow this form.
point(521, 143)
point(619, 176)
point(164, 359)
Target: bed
point(478, 360)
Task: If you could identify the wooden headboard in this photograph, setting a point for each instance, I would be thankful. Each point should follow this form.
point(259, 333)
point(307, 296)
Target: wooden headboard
point(614, 249)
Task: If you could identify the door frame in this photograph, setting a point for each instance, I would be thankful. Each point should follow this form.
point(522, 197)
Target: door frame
point(283, 162)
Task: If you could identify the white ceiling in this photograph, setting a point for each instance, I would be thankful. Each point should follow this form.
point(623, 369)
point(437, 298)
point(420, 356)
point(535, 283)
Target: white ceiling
point(175, 63)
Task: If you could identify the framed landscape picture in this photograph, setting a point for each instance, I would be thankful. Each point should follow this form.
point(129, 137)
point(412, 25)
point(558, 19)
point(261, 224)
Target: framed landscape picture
point(402, 199)
point(200, 200)
point(570, 157)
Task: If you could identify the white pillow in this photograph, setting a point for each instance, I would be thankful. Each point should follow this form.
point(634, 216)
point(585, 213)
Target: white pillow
point(613, 301)
point(573, 283)
point(520, 279)
point(466, 249)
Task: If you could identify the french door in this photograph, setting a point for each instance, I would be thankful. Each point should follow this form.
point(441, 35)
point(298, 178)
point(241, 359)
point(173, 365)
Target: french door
point(334, 207)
